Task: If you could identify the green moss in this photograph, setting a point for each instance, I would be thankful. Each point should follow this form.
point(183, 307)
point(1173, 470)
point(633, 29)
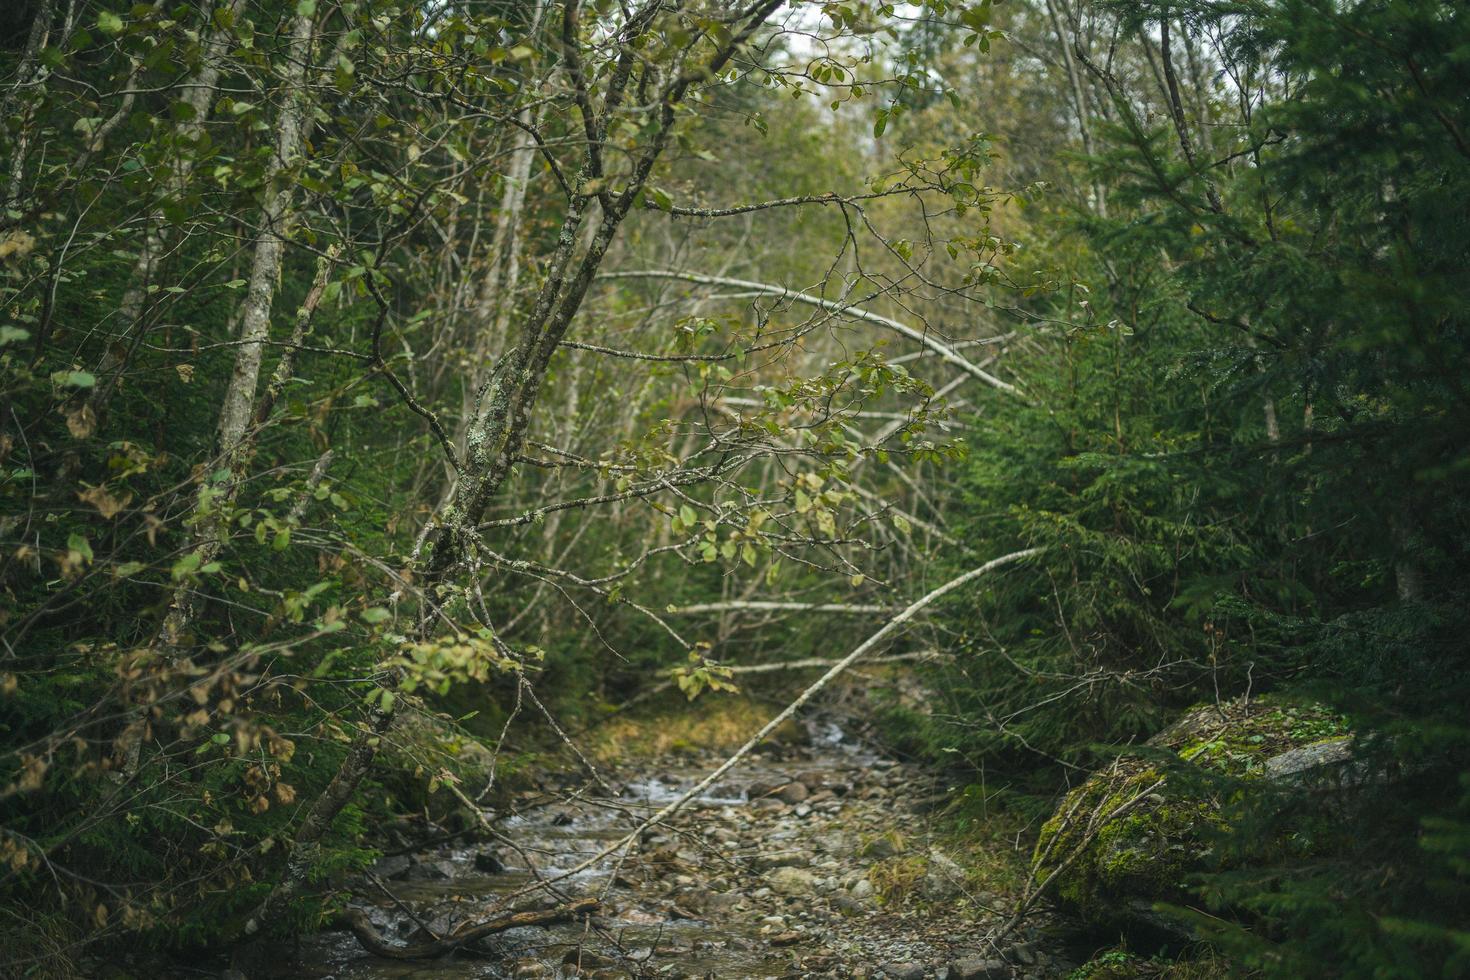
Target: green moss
point(1142, 855)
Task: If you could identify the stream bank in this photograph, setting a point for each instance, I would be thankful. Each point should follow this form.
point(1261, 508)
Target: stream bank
point(816, 859)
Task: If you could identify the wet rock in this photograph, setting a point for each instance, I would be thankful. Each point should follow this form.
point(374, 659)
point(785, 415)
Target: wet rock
point(439, 925)
point(979, 968)
point(762, 788)
point(394, 867)
point(722, 902)
point(793, 792)
point(432, 871)
point(813, 779)
point(586, 959)
point(489, 862)
point(793, 882)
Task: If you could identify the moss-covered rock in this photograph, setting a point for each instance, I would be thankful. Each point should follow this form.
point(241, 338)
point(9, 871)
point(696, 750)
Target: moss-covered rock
point(1130, 835)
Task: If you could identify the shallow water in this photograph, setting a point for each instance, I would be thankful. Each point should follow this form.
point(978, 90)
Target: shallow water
point(640, 928)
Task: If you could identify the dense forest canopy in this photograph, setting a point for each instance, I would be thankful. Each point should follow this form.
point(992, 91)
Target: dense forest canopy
point(381, 375)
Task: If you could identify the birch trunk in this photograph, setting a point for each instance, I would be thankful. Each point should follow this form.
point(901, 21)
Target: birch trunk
point(238, 408)
point(27, 76)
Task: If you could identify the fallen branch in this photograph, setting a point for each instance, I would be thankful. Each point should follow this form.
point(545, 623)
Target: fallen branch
point(791, 709)
point(373, 941)
point(944, 351)
point(758, 606)
point(809, 662)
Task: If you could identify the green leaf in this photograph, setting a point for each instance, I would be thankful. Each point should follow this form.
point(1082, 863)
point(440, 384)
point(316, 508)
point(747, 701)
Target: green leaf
point(687, 515)
point(375, 614)
point(80, 545)
point(109, 22)
point(186, 565)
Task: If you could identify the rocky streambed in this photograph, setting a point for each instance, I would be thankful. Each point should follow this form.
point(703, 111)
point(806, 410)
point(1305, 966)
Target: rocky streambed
point(808, 861)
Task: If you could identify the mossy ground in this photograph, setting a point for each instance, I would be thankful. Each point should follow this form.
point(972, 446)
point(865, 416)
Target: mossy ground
point(1121, 964)
point(711, 723)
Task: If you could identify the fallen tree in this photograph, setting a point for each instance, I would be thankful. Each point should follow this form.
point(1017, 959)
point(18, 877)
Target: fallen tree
point(367, 934)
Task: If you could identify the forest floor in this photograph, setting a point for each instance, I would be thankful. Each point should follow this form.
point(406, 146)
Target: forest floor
point(818, 857)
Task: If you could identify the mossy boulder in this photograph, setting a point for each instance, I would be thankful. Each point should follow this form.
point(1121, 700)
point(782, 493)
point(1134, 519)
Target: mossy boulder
point(1131, 835)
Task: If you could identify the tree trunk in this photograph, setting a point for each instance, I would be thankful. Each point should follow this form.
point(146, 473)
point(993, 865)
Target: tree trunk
point(238, 409)
point(496, 437)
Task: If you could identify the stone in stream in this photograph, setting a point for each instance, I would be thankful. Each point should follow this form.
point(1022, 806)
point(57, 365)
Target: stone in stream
point(979, 968)
point(489, 863)
point(762, 788)
point(393, 867)
point(586, 959)
point(432, 871)
point(771, 860)
point(793, 882)
point(904, 971)
point(793, 792)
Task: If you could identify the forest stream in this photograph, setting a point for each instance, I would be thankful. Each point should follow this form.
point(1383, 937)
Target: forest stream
point(765, 875)
point(941, 490)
